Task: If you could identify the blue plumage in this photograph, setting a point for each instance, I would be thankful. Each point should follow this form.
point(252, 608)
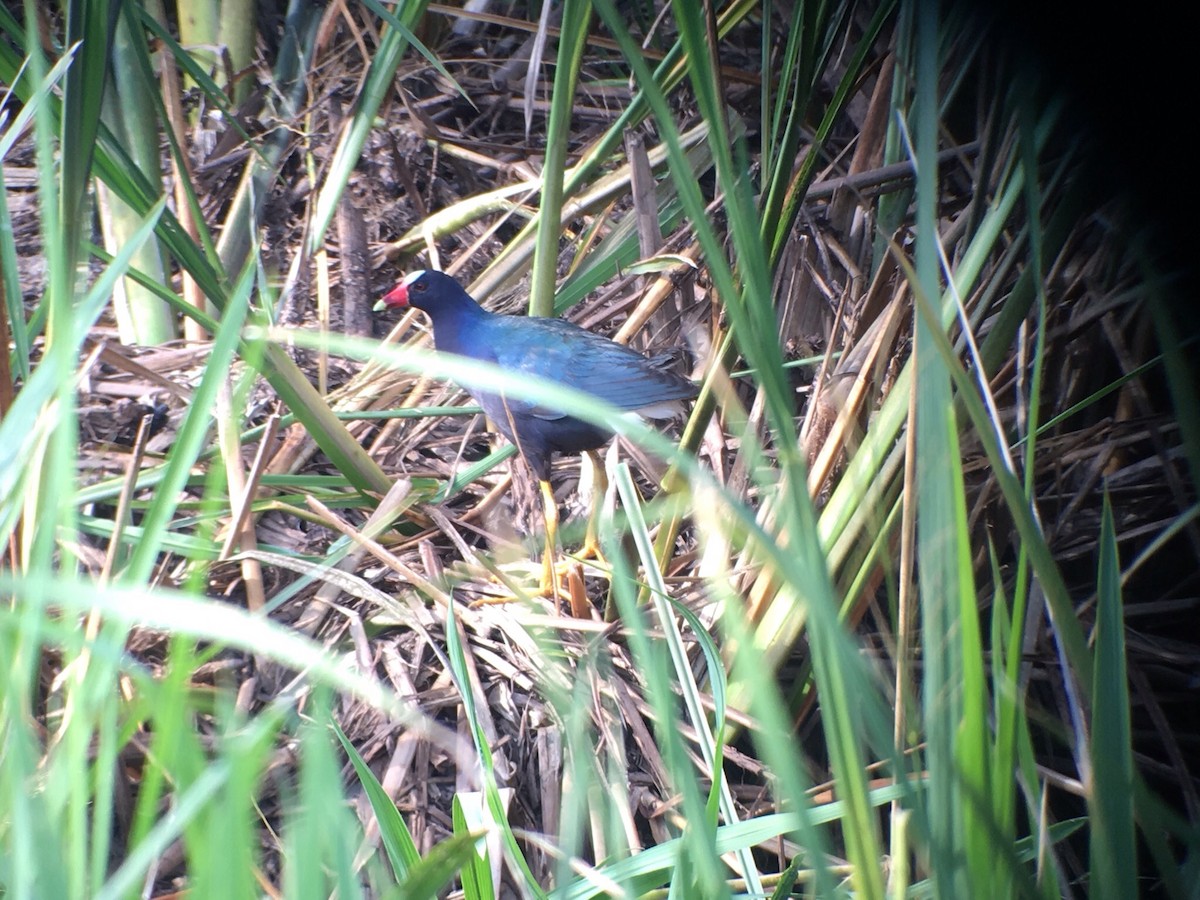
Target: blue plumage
point(553, 349)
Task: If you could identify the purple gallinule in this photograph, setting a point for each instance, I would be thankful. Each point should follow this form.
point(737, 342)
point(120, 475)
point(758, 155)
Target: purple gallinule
point(555, 350)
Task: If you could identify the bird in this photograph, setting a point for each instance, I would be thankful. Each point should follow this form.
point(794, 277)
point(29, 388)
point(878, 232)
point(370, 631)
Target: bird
point(548, 348)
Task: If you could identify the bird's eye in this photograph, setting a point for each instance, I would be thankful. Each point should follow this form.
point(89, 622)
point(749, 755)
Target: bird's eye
point(418, 287)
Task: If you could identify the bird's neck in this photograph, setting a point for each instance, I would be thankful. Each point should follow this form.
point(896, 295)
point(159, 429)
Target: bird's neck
point(455, 322)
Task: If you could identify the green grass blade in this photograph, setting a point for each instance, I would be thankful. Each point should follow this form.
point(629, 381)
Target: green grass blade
point(319, 849)
point(785, 192)
point(653, 866)
point(698, 861)
point(129, 111)
point(699, 817)
point(428, 878)
point(1113, 869)
point(380, 74)
point(494, 803)
point(397, 840)
point(477, 871)
point(842, 683)
point(192, 431)
point(312, 410)
point(89, 24)
point(940, 544)
point(572, 41)
point(13, 307)
point(186, 806)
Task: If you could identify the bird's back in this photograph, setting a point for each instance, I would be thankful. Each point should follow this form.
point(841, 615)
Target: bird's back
point(559, 351)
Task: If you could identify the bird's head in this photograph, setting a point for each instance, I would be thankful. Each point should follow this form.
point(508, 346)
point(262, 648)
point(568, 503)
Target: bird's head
point(422, 289)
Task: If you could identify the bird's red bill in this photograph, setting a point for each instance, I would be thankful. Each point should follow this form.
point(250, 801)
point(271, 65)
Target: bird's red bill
point(397, 296)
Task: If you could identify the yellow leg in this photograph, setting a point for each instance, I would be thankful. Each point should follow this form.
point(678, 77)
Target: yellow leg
point(549, 586)
point(591, 540)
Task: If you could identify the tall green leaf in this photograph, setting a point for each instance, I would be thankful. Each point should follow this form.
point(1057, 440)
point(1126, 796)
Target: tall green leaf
point(1113, 863)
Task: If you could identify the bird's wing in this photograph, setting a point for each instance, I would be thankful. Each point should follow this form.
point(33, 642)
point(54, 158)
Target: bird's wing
point(560, 351)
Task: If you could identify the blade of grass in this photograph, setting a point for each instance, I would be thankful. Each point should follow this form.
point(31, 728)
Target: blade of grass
point(13, 307)
point(201, 619)
point(184, 809)
point(665, 77)
point(684, 678)
point(397, 840)
point(698, 861)
point(45, 512)
point(842, 685)
point(379, 83)
point(192, 431)
point(785, 193)
point(319, 850)
point(477, 872)
point(943, 559)
point(430, 875)
point(1113, 859)
point(91, 25)
point(129, 112)
point(576, 17)
point(652, 866)
point(495, 805)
